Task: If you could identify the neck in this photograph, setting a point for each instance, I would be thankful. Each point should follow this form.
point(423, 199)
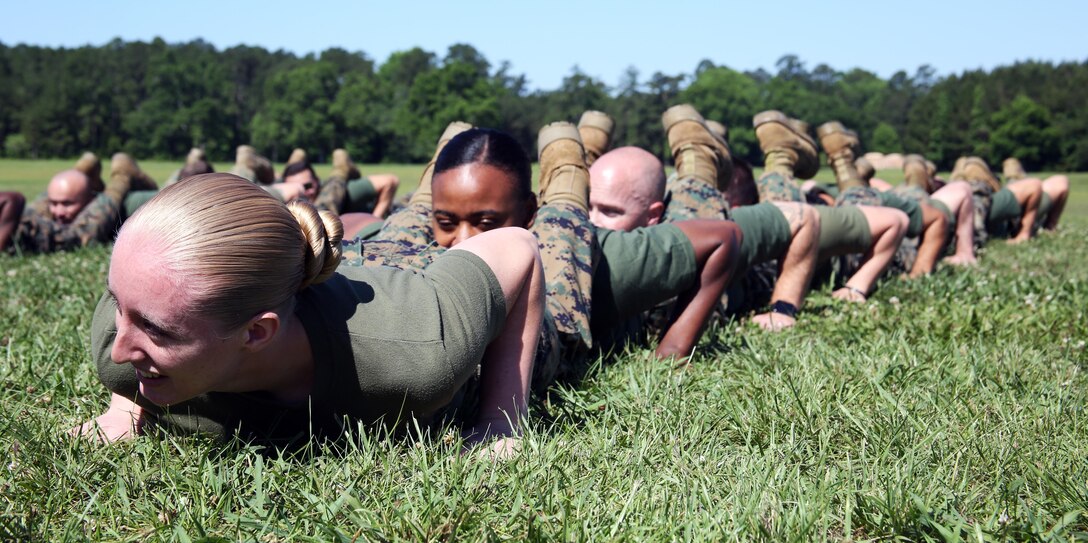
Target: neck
point(285, 367)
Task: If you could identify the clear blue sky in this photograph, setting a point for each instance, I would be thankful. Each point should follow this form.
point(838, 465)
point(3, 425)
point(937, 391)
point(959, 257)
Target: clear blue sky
point(544, 40)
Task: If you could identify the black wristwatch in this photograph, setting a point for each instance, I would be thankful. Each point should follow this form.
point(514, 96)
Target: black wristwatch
point(784, 308)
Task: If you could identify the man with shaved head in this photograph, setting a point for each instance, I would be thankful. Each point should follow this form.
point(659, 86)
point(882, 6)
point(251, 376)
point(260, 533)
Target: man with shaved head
point(71, 214)
point(630, 190)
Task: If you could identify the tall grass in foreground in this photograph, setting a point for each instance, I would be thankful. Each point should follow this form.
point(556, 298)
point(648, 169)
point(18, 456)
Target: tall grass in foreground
point(953, 407)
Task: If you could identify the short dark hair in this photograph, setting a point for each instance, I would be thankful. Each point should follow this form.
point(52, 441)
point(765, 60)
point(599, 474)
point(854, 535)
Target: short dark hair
point(196, 168)
point(299, 167)
point(742, 191)
point(491, 147)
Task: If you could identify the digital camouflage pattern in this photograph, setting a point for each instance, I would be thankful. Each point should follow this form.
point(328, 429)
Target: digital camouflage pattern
point(983, 195)
point(39, 233)
point(776, 187)
point(333, 193)
point(859, 196)
point(689, 198)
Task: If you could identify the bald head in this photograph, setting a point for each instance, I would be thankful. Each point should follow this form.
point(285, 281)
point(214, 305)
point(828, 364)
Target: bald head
point(627, 189)
point(68, 192)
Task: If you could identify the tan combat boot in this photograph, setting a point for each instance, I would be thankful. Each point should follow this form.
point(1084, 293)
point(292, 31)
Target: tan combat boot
point(931, 169)
point(564, 177)
point(718, 129)
point(297, 155)
point(343, 166)
point(957, 170)
point(1013, 170)
point(915, 173)
point(92, 168)
point(126, 176)
point(976, 169)
point(839, 145)
point(196, 154)
point(865, 169)
point(787, 147)
point(422, 195)
point(595, 128)
point(696, 151)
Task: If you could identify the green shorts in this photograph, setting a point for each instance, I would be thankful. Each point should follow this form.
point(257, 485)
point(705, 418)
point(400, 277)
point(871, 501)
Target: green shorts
point(361, 196)
point(1044, 209)
point(843, 230)
point(639, 270)
point(906, 205)
point(133, 201)
point(766, 234)
point(944, 209)
point(1004, 208)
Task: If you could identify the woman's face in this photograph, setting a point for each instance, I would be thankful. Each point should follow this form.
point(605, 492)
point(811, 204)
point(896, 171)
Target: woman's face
point(475, 198)
point(175, 353)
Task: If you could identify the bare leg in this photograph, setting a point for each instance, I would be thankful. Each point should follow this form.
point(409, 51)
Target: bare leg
point(1057, 187)
point(796, 267)
point(11, 209)
point(887, 227)
point(1028, 192)
point(934, 237)
point(386, 184)
point(716, 245)
point(957, 196)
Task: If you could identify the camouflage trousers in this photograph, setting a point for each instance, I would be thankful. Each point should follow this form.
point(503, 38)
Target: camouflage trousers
point(333, 192)
point(983, 196)
point(689, 198)
point(39, 233)
point(778, 187)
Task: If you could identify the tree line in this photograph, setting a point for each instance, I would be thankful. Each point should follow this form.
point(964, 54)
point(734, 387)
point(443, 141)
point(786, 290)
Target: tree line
point(157, 99)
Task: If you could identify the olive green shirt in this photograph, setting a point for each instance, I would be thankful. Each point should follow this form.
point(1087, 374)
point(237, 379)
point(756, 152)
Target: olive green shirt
point(387, 345)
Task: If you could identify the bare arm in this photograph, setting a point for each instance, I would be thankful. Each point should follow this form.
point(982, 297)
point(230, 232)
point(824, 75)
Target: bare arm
point(507, 367)
point(716, 244)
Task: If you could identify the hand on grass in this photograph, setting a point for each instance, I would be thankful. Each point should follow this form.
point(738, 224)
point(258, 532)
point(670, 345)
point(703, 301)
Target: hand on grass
point(773, 322)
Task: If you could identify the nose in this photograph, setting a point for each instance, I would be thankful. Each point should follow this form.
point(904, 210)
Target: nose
point(464, 231)
point(125, 349)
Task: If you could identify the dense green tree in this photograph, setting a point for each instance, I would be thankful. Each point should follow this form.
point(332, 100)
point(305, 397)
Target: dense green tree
point(1023, 130)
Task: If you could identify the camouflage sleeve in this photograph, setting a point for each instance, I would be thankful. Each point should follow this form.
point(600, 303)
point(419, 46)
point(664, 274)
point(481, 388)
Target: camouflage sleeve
point(333, 193)
point(40, 205)
point(97, 223)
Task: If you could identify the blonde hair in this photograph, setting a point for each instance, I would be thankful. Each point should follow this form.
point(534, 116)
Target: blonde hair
point(234, 248)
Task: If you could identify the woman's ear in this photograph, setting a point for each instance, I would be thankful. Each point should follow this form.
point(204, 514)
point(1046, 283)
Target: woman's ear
point(530, 210)
point(260, 331)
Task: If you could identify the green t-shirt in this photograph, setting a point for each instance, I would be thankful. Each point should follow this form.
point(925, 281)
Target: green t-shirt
point(766, 234)
point(639, 270)
point(843, 230)
point(387, 344)
point(908, 206)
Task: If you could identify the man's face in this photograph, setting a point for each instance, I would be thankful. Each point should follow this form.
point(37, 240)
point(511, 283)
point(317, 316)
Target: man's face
point(67, 197)
point(311, 186)
point(613, 207)
point(475, 198)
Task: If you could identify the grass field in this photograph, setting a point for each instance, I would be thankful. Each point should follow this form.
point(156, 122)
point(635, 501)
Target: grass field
point(949, 408)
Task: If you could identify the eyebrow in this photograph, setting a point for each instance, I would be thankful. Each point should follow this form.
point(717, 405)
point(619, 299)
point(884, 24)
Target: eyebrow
point(149, 320)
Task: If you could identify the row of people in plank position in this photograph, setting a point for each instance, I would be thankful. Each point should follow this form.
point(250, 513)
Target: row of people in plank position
point(478, 292)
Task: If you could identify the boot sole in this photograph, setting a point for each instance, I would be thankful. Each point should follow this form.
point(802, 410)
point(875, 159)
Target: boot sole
point(597, 119)
point(559, 130)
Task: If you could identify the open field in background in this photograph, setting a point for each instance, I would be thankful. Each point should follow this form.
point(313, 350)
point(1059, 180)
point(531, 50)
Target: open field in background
point(31, 176)
point(949, 408)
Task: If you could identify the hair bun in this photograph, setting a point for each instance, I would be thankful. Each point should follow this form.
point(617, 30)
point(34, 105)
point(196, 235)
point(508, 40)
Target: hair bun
point(323, 233)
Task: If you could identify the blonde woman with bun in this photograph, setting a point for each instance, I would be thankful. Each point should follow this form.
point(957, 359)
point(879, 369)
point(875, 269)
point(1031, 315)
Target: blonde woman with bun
point(229, 313)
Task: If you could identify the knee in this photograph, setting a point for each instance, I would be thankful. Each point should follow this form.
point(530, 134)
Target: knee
point(1056, 185)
